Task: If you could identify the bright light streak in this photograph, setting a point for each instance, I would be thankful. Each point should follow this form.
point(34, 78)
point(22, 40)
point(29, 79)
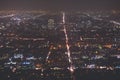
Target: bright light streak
point(71, 69)
point(49, 53)
point(115, 22)
point(63, 18)
point(11, 15)
point(67, 45)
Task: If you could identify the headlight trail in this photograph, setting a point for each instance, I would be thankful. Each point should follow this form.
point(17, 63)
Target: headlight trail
point(71, 68)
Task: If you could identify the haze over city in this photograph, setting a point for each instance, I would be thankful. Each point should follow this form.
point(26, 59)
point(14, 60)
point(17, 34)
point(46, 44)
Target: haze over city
point(59, 4)
point(59, 40)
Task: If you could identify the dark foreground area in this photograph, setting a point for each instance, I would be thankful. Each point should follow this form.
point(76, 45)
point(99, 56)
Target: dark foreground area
point(79, 74)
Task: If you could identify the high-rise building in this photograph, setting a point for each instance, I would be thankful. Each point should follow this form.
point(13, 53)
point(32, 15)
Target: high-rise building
point(51, 23)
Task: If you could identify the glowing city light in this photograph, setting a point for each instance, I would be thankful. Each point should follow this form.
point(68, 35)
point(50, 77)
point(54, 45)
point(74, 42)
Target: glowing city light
point(67, 45)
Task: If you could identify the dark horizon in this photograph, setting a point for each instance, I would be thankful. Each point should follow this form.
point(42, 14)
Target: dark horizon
point(59, 4)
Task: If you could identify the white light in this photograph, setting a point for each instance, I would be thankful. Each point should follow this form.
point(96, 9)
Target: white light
point(67, 45)
point(63, 18)
point(71, 69)
point(49, 53)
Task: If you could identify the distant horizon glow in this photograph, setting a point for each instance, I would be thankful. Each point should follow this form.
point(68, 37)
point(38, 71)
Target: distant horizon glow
point(59, 4)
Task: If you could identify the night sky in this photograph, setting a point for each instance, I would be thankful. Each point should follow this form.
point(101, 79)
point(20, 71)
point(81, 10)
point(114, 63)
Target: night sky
point(59, 4)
